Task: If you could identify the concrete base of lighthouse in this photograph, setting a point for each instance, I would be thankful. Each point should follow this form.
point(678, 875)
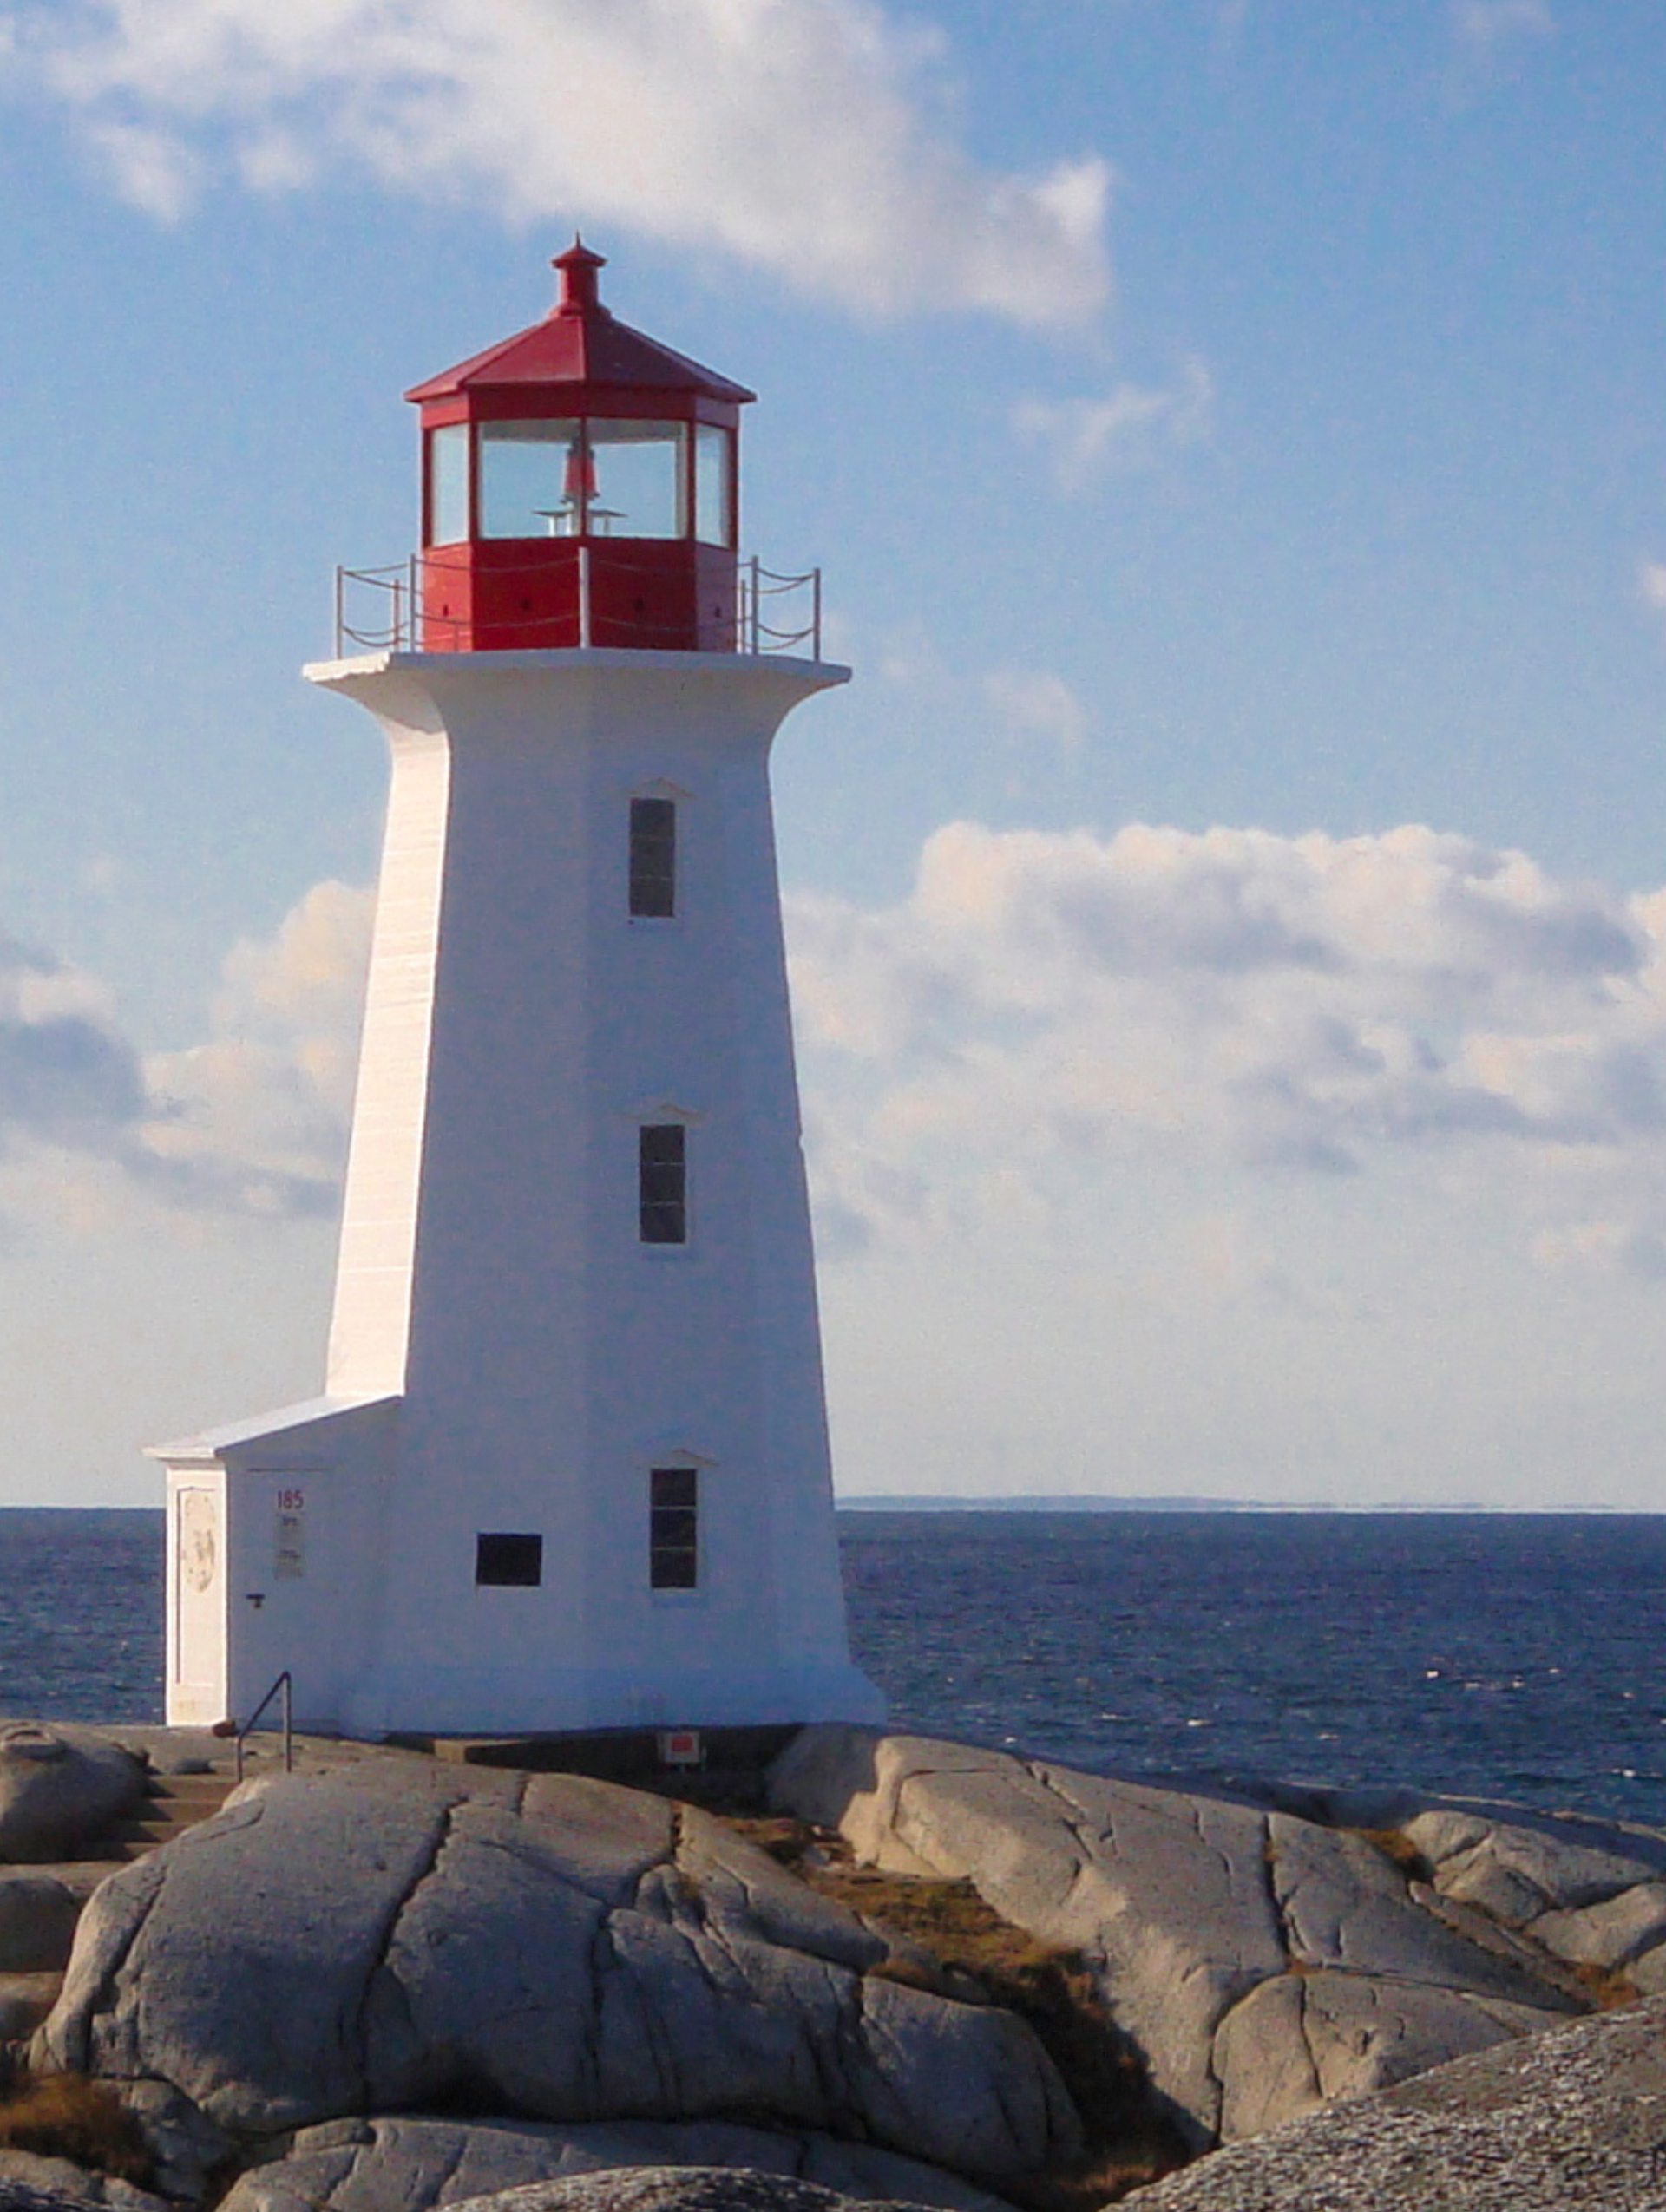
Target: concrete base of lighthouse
point(512, 1363)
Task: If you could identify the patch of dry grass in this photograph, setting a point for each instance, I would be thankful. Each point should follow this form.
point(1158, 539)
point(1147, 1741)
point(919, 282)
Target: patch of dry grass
point(1606, 1986)
point(68, 2116)
point(1398, 1848)
point(945, 1938)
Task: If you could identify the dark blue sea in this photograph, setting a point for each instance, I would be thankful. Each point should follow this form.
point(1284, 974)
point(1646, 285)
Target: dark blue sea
point(1510, 1655)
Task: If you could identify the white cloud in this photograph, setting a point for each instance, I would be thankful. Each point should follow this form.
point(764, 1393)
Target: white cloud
point(155, 171)
point(1130, 426)
point(1651, 584)
point(810, 138)
point(1034, 703)
point(255, 1117)
point(67, 1076)
point(1485, 25)
point(1044, 1009)
point(1054, 999)
point(1602, 1247)
point(251, 1121)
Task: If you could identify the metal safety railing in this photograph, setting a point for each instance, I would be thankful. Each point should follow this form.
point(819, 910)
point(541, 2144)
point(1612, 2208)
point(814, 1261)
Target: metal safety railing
point(382, 610)
point(759, 588)
point(285, 1689)
point(363, 595)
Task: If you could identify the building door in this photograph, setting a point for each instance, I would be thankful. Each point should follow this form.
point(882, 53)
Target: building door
point(197, 1693)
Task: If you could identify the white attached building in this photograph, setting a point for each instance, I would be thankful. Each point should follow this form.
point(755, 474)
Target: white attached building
point(570, 1470)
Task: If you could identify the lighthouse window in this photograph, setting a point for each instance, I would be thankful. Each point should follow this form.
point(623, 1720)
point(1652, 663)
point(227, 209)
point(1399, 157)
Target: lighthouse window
point(509, 1562)
point(653, 857)
point(674, 1529)
point(637, 491)
point(662, 1177)
point(534, 479)
point(448, 485)
point(713, 451)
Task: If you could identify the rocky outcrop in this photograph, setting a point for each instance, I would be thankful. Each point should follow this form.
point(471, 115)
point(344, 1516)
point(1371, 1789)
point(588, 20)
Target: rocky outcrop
point(1569, 2122)
point(1265, 1960)
point(59, 1787)
point(25, 2002)
point(38, 1917)
point(28, 2183)
point(313, 1983)
point(413, 2164)
point(399, 1934)
point(690, 2190)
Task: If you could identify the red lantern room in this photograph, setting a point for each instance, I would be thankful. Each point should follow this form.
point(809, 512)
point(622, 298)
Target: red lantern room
point(580, 487)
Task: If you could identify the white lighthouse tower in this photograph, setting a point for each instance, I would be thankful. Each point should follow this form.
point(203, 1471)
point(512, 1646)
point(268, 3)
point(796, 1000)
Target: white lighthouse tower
point(570, 1471)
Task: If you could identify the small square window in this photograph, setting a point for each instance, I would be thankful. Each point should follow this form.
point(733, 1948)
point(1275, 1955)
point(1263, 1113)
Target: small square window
point(673, 1528)
point(662, 1183)
point(507, 1563)
point(653, 857)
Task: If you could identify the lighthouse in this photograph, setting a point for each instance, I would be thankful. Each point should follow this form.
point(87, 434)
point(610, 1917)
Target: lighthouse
point(569, 1471)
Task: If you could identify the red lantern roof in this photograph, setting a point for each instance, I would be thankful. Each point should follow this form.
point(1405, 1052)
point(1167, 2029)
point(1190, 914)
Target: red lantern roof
point(580, 341)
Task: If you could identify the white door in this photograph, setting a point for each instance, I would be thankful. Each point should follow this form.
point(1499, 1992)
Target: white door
point(197, 1691)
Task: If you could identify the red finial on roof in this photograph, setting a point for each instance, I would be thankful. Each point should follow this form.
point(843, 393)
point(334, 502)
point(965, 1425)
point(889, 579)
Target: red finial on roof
point(578, 268)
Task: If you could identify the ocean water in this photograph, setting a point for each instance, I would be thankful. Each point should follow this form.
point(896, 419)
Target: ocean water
point(81, 1615)
point(1506, 1655)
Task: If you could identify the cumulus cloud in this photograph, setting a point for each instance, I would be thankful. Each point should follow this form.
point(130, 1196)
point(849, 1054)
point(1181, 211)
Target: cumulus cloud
point(1130, 426)
point(1310, 1003)
point(255, 1117)
point(1042, 1010)
point(810, 138)
point(251, 1121)
point(67, 1076)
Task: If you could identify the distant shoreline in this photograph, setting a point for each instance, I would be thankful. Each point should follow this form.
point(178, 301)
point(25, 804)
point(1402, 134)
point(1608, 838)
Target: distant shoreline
point(1086, 1504)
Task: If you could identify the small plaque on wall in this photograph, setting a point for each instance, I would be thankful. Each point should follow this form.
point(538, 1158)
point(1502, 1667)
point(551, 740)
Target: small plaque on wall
point(289, 1538)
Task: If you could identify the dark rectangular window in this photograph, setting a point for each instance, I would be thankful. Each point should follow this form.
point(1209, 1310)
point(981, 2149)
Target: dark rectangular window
point(662, 1183)
point(510, 1563)
point(673, 1528)
point(653, 856)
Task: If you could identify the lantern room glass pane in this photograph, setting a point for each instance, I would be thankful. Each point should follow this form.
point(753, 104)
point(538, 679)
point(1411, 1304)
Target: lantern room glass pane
point(713, 467)
point(448, 485)
point(637, 479)
point(532, 480)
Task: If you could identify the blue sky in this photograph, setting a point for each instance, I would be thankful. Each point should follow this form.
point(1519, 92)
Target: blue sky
point(1226, 907)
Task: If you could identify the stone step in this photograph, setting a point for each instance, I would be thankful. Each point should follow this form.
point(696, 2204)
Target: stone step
point(172, 1804)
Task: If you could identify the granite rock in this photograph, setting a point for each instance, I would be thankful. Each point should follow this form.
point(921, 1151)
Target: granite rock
point(1647, 1975)
point(692, 2188)
point(25, 2001)
point(1608, 1936)
point(1572, 2121)
point(1261, 1962)
point(59, 1787)
point(24, 2175)
point(1518, 1866)
point(38, 1923)
point(413, 2164)
point(394, 1935)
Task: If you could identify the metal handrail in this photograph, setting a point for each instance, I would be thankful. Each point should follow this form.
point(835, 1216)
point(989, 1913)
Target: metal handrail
point(283, 1687)
point(400, 590)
